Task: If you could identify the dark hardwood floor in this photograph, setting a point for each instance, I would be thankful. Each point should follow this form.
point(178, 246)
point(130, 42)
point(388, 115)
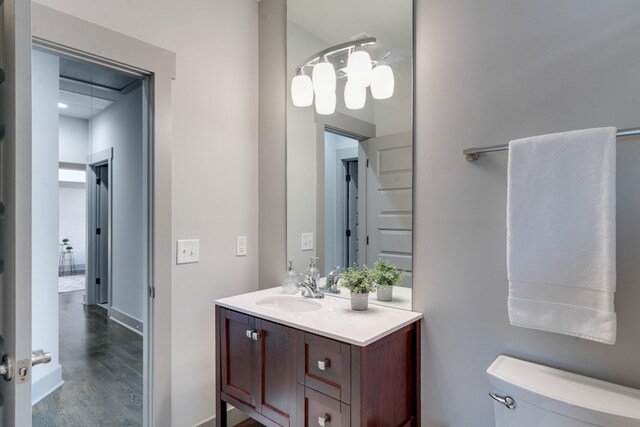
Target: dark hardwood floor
point(102, 369)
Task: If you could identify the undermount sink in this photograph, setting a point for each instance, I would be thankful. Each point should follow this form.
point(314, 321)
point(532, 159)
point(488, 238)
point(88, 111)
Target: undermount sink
point(289, 304)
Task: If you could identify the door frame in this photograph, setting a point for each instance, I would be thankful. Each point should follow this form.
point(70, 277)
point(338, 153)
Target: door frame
point(348, 126)
point(57, 31)
point(100, 158)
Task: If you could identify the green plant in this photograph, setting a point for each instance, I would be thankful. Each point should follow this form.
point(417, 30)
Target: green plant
point(356, 280)
point(386, 273)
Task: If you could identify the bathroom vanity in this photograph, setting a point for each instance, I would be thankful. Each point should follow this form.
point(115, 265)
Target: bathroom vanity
point(291, 361)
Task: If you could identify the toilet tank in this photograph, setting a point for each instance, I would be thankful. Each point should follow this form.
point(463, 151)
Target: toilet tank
point(547, 397)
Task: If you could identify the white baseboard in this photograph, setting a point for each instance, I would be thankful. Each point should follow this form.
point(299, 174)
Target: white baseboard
point(125, 320)
point(234, 416)
point(46, 385)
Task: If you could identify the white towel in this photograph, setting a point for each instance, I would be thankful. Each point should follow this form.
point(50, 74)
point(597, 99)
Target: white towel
point(561, 233)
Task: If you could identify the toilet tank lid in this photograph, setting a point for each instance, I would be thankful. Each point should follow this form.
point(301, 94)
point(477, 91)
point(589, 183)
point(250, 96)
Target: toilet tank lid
point(572, 395)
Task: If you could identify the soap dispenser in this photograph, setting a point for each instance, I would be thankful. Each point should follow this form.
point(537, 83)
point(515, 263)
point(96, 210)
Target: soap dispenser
point(290, 280)
point(312, 270)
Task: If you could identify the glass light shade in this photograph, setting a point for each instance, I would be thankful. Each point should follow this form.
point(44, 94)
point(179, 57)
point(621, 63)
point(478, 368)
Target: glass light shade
point(355, 95)
point(359, 68)
point(324, 78)
point(326, 103)
point(302, 91)
point(382, 82)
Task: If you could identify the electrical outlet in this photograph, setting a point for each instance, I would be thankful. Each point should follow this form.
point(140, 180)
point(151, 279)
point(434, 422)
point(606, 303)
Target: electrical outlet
point(188, 251)
point(307, 242)
point(241, 246)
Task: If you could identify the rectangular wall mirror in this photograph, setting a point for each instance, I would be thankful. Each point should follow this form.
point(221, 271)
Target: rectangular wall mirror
point(350, 137)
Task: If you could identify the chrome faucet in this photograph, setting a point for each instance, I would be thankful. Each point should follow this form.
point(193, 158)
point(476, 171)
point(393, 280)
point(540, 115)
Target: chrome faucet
point(310, 287)
point(331, 283)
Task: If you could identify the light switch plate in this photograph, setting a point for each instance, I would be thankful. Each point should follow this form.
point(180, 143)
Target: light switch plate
point(188, 251)
point(307, 242)
point(241, 246)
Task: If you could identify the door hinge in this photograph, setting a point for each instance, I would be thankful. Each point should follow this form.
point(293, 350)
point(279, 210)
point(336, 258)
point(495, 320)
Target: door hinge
point(348, 233)
point(367, 240)
point(98, 181)
point(367, 162)
point(97, 280)
point(98, 231)
point(152, 292)
point(348, 178)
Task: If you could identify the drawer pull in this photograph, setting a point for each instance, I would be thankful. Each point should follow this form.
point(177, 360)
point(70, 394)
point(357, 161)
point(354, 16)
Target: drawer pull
point(324, 364)
point(323, 420)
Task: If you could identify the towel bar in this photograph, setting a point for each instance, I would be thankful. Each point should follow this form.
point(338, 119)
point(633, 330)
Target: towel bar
point(473, 154)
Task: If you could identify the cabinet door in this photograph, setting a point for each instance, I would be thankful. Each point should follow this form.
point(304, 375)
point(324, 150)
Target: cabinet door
point(237, 356)
point(276, 395)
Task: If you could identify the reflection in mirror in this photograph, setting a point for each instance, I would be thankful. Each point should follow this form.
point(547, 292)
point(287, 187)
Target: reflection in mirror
point(349, 136)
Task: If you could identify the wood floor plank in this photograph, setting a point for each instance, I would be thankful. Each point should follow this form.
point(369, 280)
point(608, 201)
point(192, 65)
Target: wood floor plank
point(102, 369)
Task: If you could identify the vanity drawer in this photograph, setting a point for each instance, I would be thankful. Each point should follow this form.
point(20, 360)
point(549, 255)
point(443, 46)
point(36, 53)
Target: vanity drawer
point(325, 366)
point(316, 409)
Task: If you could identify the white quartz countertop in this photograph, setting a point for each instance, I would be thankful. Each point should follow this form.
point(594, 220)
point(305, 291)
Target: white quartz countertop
point(333, 319)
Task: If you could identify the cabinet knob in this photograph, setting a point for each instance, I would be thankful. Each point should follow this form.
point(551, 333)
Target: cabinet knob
point(324, 364)
point(323, 420)
point(253, 334)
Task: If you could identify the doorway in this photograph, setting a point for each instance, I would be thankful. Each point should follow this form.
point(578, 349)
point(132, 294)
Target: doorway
point(92, 117)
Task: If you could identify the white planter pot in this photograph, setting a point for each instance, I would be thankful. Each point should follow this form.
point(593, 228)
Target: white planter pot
point(359, 302)
point(385, 293)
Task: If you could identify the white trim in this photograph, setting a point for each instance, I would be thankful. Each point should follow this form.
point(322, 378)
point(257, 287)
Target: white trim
point(46, 385)
point(125, 320)
point(76, 37)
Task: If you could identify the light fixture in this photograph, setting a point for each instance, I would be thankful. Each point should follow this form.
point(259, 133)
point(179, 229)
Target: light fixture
point(326, 103)
point(355, 95)
point(302, 90)
point(324, 78)
point(359, 68)
point(359, 75)
point(382, 82)
point(62, 105)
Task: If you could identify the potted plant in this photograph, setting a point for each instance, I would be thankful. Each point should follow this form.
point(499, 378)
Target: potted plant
point(360, 284)
point(385, 275)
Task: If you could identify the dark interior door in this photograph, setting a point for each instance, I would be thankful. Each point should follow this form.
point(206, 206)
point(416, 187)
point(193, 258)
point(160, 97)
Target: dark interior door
point(102, 233)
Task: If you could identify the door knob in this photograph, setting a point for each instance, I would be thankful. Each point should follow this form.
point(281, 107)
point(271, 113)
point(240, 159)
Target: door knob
point(323, 420)
point(6, 368)
point(40, 357)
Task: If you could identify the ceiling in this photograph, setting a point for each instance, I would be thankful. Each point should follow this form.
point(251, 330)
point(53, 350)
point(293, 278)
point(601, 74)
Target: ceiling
point(88, 88)
point(337, 21)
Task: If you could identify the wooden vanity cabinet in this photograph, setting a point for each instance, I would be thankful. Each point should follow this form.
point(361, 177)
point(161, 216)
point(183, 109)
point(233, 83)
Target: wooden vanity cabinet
point(282, 376)
point(255, 360)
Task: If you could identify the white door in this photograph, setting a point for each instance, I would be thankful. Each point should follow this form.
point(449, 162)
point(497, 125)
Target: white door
point(15, 194)
point(389, 202)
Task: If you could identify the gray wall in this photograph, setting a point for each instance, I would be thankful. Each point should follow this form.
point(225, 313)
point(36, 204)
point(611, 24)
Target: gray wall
point(45, 250)
point(74, 140)
point(120, 126)
point(272, 128)
point(488, 72)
